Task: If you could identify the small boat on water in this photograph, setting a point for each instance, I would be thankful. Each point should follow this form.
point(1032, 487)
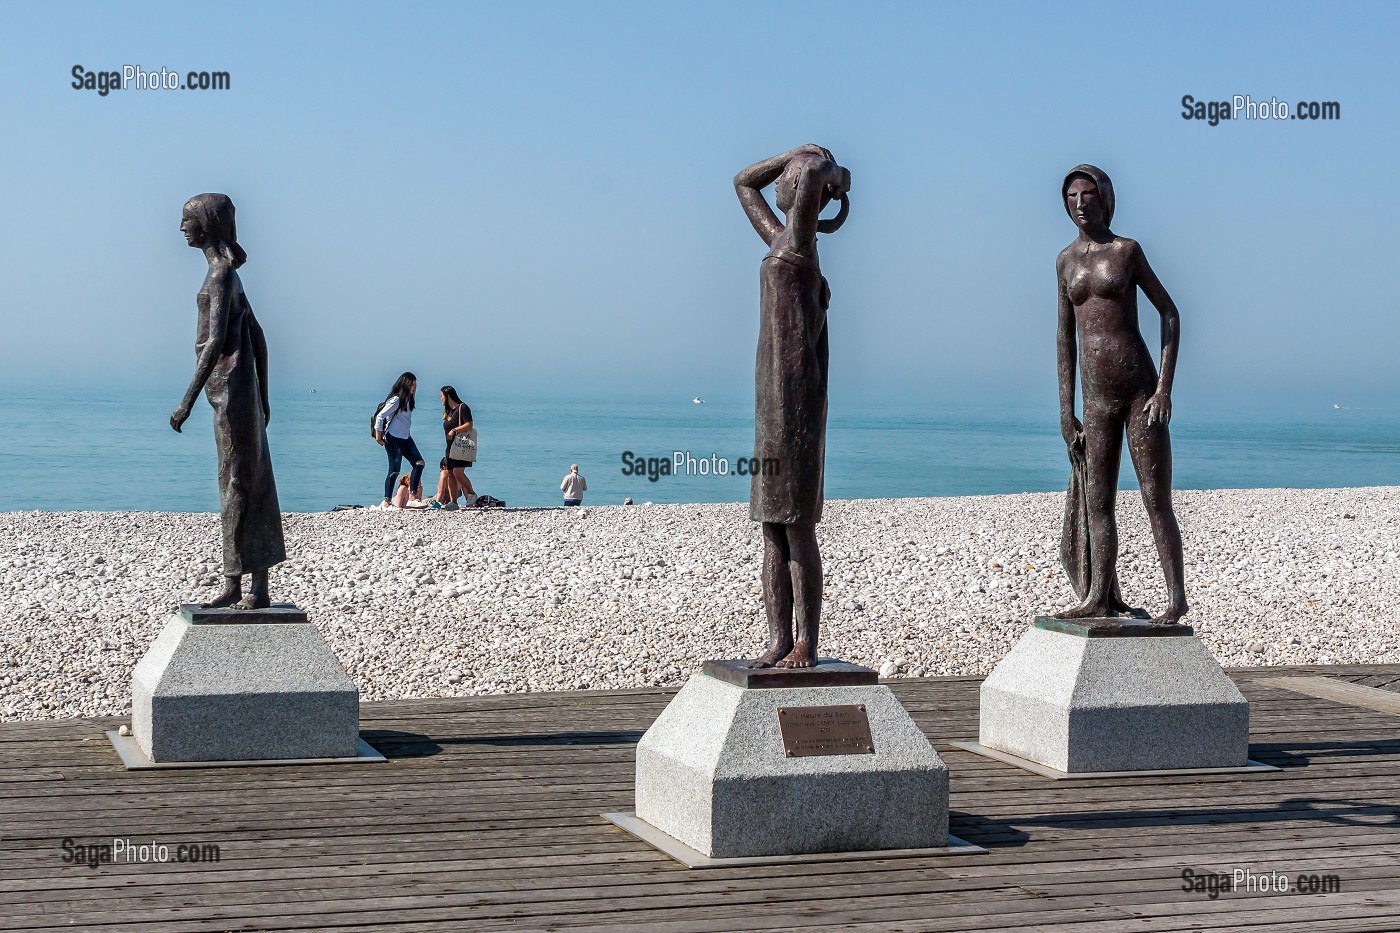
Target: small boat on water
point(697, 401)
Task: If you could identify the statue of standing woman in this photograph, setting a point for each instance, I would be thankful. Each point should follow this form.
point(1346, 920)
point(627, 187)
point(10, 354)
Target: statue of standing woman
point(231, 368)
point(1099, 277)
point(790, 401)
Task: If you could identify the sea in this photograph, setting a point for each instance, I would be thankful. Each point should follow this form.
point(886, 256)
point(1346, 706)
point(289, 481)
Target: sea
point(79, 453)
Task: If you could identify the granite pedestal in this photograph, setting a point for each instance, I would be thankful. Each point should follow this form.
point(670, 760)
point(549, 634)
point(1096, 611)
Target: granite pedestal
point(1111, 695)
point(713, 771)
point(228, 685)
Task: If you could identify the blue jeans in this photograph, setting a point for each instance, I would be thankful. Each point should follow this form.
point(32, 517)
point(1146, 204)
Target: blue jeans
point(398, 448)
point(573, 502)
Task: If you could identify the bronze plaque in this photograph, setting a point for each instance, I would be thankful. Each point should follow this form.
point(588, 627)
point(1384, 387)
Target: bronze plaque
point(825, 730)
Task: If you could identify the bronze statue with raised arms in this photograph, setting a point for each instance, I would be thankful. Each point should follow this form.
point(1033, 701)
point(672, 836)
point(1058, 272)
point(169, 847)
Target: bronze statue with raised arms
point(790, 389)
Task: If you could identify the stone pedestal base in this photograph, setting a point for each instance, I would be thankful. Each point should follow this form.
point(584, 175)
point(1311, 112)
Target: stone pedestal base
point(713, 773)
point(1100, 696)
point(226, 690)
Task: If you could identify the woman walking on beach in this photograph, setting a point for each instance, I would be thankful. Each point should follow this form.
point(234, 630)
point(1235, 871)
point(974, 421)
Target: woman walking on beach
point(453, 482)
point(1099, 275)
point(393, 430)
point(790, 383)
point(231, 369)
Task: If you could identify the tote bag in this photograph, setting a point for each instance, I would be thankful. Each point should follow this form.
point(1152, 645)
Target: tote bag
point(463, 446)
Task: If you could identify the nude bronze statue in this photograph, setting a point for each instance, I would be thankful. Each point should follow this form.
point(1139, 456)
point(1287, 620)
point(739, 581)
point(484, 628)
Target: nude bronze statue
point(231, 368)
point(790, 383)
point(1099, 276)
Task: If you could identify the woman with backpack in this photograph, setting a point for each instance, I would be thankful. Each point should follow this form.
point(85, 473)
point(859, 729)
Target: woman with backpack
point(392, 425)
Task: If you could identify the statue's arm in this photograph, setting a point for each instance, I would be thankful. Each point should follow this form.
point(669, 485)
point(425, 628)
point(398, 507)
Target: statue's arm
point(832, 224)
point(260, 363)
point(1159, 408)
point(817, 176)
point(221, 279)
point(749, 185)
point(1067, 345)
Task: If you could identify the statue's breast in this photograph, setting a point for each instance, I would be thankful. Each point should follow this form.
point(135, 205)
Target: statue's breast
point(1105, 276)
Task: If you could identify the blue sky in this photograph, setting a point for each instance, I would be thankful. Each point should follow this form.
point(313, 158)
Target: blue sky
point(535, 199)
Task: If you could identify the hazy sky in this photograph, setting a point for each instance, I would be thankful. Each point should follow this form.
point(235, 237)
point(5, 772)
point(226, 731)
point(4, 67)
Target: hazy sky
point(535, 199)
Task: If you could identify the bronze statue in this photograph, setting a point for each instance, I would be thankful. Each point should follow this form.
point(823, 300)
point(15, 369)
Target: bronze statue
point(790, 401)
point(231, 368)
point(1099, 275)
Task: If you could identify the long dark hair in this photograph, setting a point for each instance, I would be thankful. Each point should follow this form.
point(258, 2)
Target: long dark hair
point(452, 402)
point(403, 389)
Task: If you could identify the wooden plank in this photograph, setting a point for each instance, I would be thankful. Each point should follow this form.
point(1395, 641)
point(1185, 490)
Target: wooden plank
point(1177, 795)
point(427, 877)
point(1341, 691)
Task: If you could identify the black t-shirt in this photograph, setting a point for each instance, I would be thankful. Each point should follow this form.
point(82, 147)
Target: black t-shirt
point(456, 419)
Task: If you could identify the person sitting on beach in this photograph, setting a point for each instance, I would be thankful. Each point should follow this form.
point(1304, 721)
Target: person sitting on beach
point(452, 481)
point(574, 486)
point(405, 499)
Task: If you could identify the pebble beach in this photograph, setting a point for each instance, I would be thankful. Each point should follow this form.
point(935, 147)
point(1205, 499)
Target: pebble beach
point(441, 604)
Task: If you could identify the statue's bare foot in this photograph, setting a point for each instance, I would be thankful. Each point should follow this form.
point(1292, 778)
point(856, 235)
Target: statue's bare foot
point(233, 592)
point(1121, 608)
point(254, 601)
point(799, 656)
point(770, 657)
point(1089, 609)
point(1173, 614)
point(257, 597)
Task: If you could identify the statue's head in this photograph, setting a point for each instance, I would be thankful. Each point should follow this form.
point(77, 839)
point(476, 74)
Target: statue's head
point(1087, 193)
point(208, 219)
point(785, 188)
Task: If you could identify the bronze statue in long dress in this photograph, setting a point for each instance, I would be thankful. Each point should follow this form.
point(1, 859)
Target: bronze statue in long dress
point(231, 368)
point(1099, 277)
point(790, 384)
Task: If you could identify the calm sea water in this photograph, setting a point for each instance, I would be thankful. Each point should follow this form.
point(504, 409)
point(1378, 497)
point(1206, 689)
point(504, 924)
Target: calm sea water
point(121, 454)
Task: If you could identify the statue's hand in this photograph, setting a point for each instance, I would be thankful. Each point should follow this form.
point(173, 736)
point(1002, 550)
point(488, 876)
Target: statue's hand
point(1158, 408)
point(813, 149)
point(840, 182)
point(1072, 430)
point(180, 416)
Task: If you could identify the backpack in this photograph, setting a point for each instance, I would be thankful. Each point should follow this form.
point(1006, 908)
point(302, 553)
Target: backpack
point(375, 417)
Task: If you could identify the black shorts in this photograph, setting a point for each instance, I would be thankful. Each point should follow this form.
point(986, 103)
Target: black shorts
point(449, 464)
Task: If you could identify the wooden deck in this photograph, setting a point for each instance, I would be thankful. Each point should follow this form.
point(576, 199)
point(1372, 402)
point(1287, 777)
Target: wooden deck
point(486, 818)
